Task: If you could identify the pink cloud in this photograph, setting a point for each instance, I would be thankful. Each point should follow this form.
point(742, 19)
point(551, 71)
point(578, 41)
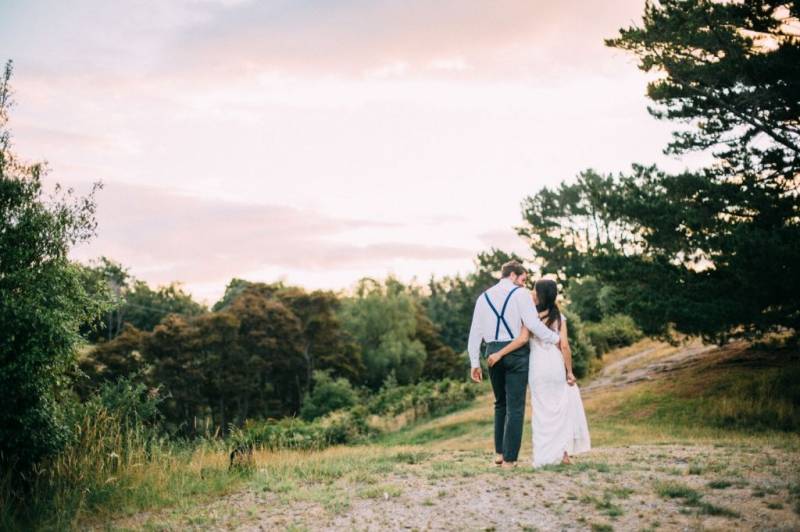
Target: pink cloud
point(166, 236)
point(471, 38)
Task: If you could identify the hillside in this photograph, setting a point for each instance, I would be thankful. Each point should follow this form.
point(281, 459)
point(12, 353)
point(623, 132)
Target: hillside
point(681, 437)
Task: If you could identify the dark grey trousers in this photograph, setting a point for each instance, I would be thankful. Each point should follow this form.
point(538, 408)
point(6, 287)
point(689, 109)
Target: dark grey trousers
point(509, 383)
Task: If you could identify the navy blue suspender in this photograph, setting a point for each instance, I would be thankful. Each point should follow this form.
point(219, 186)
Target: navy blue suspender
point(501, 315)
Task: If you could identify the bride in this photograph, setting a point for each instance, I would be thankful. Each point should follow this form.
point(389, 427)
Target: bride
point(559, 421)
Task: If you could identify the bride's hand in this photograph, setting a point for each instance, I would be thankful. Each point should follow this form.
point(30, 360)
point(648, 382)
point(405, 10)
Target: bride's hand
point(571, 379)
point(493, 359)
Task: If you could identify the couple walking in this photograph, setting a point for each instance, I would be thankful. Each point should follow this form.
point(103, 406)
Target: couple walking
point(526, 342)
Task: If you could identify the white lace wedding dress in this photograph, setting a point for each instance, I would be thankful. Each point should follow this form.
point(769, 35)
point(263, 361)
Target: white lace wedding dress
point(559, 421)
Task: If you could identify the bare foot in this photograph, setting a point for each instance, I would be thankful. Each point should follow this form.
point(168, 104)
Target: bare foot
point(566, 460)
point(509, 465)
point(498, 459)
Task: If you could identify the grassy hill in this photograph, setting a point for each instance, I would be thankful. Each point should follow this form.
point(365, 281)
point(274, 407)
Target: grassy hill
point(684, 437)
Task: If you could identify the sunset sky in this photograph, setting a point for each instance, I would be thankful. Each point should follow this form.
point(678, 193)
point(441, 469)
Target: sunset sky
point(320, 141)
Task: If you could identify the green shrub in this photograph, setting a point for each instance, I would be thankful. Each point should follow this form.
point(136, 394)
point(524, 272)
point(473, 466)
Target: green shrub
point(425, 398)
point(350, 425)
point(612, 332)
point(582, 349)
point(327, 395)
point(591, 299)
point(114, 457)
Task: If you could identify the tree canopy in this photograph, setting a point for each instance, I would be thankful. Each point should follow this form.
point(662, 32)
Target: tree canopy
point(712, 252)
point(43, 301)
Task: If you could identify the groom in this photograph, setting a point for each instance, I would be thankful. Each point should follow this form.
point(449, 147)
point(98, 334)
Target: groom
point(499, 316)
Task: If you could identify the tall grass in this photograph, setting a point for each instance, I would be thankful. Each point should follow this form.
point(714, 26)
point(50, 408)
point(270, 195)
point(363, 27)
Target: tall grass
point(119, 462)
point(114, 463)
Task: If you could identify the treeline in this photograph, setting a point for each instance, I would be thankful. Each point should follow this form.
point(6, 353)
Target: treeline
point(270, 350)
point(255, 353)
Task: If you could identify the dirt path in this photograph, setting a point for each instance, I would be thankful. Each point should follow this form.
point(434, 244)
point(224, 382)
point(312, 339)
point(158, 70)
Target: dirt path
point(616, 487)
point(446, 483)
point(646, 364)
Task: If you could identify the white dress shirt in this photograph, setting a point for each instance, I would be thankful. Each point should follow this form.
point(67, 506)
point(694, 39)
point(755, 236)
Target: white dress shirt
point(520, 311)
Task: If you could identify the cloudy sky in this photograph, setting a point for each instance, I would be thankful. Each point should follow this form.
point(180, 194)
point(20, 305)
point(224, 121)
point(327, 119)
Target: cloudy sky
point(320, 141)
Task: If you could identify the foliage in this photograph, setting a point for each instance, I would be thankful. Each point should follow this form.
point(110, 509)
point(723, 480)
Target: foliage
point(217, 367)
point(341, 427)
point(115, 460)
point(582, 348)
point(326, 345)
point(43, 302)
point(567, 226)
point(230, 365)
point(248, 359)
point(382, 320)
point(235, 288)
point(105, 281)
point(134, 302)
point(591, 299)
point(449, 305)
point(714, 252)
point(144, 308)
point(441, 360)
point(732, 71)
point(425, 398)
point(109, 361)
point(351, 425)
point(327, 395)
point(612, 332)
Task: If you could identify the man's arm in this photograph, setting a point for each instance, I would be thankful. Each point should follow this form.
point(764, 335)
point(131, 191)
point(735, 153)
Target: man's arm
point(522, 298)
point(475, 338)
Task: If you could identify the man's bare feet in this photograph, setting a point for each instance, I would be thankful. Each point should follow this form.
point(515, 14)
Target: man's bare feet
point(498, 459)
point(566, 460)
point(509, 465)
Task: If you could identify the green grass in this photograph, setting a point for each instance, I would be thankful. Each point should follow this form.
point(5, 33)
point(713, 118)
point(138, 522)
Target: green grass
point(423, 434)
point(675, 490)
point(751, 396)
point(719, 484)
point(692, 498)
point(730, 397)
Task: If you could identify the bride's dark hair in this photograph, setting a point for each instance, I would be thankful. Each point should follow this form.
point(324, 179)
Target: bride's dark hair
point(546, 294)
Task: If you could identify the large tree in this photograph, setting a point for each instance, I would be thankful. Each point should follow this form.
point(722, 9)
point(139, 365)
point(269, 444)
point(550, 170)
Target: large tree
point(135, 303)
point(714, 252)
point(43, 301)
point(382, 319)
point(326, 345)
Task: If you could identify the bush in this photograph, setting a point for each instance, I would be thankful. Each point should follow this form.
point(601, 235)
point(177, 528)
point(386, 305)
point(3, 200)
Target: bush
point(592, 300)
point(425, 398)
point(327, 395)
point(344, 426)
point(614, 331)
point(350, 425)
point(582, 349)
point(113, 454)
